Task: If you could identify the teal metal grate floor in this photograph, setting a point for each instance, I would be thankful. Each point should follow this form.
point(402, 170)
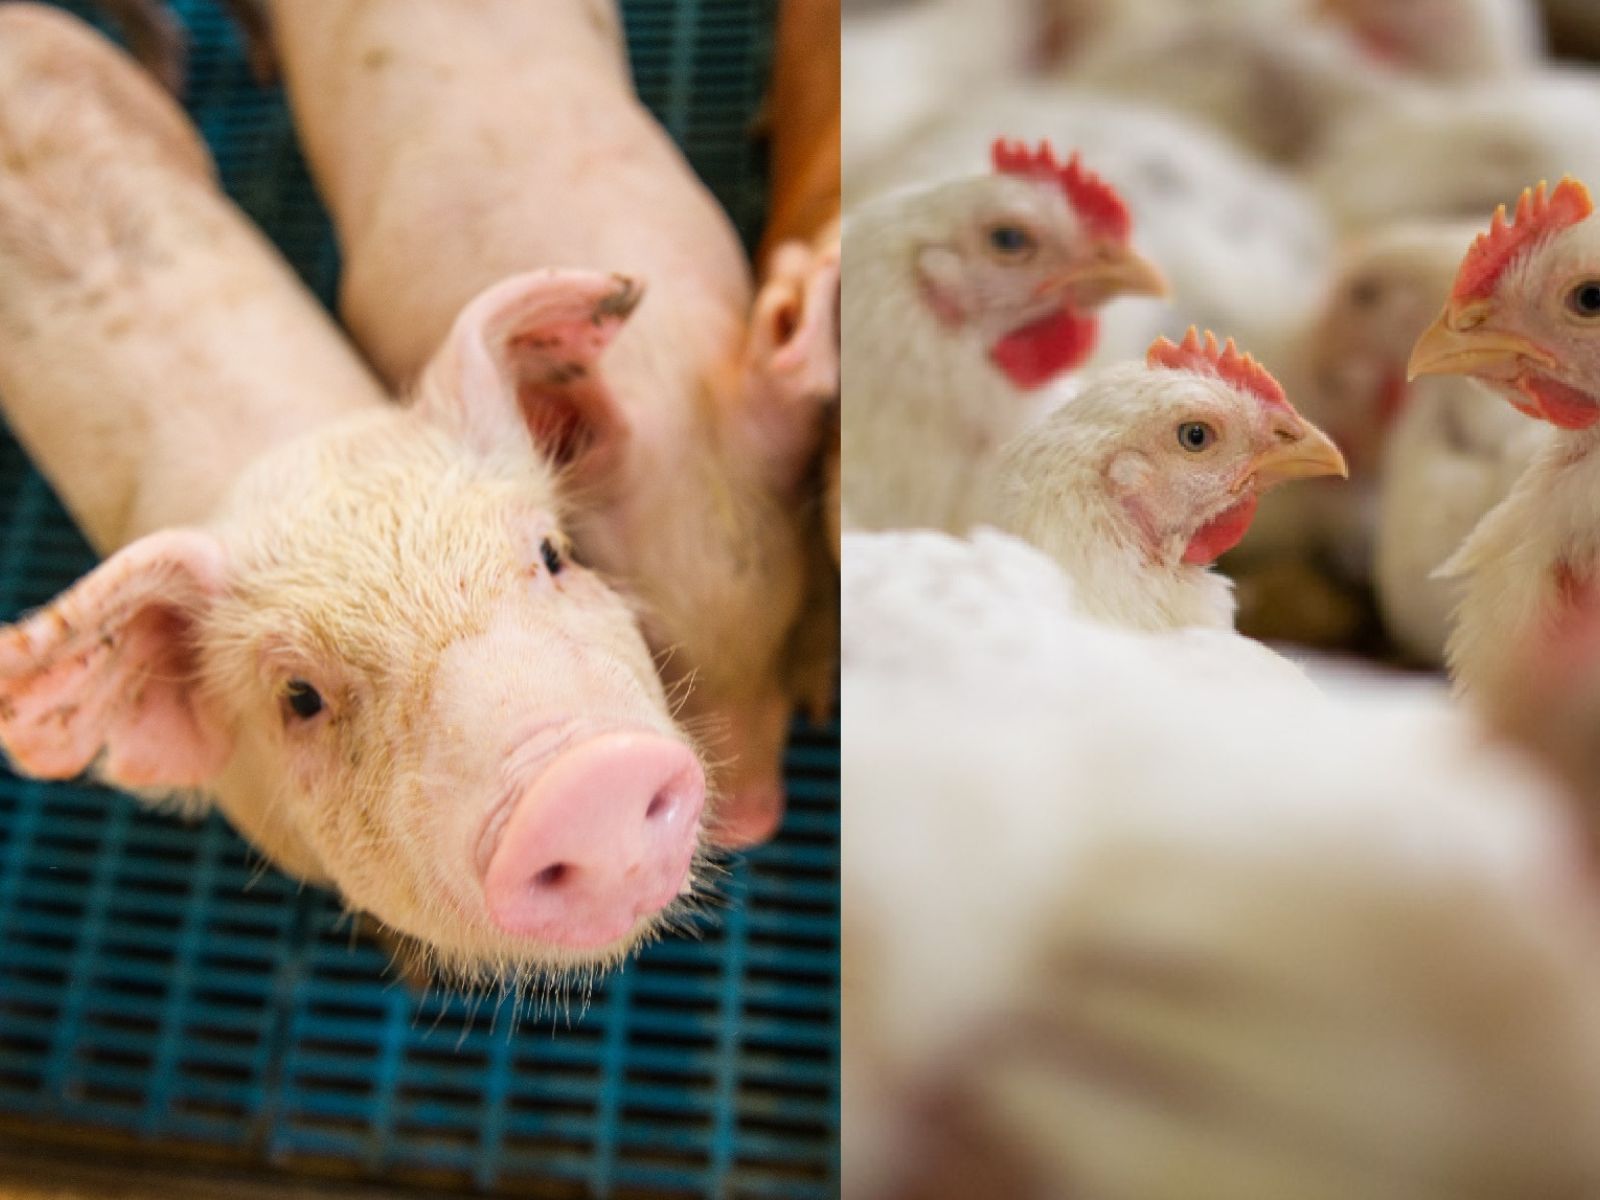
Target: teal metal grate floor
point(154, 985)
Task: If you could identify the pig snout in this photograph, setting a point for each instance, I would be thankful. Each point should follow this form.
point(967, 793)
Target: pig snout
point(600, 839)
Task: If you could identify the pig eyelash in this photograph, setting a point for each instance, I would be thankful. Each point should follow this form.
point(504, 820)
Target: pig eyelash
point(302, 703)
point(551, 554)
point(556, 553)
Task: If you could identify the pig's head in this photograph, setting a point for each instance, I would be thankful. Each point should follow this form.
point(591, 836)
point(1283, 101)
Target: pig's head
point(709, 530)
point(383, 661)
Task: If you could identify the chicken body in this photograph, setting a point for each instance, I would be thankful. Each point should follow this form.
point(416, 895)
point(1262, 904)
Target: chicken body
point(1464, 148)
point(1138, 483)
point(1427, 460)
point(902, 65)
point(1456, 451)
point(1523, 564)
point(962, 304)
point(1276, 84)
point(1119, 922)
point(1243, 246)
point(1437, 40)
point(1524, 318)
point(926, 410)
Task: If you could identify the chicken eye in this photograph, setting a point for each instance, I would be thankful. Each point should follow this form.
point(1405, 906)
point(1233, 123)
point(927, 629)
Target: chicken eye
point(1365, 291)
point(551, 554)
point(1011, 241)
point(1195, 436)
point(1585, 298)
point(303, 700)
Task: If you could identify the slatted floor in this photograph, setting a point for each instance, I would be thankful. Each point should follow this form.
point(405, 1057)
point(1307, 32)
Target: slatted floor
point(157, 985)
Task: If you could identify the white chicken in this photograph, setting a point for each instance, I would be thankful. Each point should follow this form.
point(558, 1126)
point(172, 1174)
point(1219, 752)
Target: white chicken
point(961, 303)
point(1275, 83)
point(1129, 923)
point(1150, 472)
point(1456, 152)
point(903, 63)
point(1524, 317)
point(1243, 246)
point(1455, 452)
point(1445, 40)
point(1427, 460)
point(1346, 367)
point(1436, 40)
point(1280, 77)
point(1386, 287)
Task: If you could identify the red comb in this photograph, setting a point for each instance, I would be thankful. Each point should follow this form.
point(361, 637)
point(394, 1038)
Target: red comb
point(1092, 198)
point(1537, 215)
point(1225, 362)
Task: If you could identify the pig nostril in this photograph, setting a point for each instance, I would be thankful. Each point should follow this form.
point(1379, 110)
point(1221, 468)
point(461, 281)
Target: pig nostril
point(552, 876)
point(662, 806)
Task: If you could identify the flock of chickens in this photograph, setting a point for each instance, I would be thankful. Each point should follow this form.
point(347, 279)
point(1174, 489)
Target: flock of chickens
point(1137, 906)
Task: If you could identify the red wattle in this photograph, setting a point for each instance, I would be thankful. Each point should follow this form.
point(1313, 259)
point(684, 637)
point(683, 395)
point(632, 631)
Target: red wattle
point(1564, 407)
point(1571, 585)
point(1391, 398)
point(1035, 354)
point(1221, 534)
point(1381, 45)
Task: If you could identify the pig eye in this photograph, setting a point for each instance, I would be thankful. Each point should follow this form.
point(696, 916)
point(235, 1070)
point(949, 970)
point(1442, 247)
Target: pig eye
point(303, 700)
point(551, 554)
point(1195, 436)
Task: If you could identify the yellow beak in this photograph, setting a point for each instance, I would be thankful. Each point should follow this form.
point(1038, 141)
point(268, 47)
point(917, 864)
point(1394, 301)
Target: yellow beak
point(1301, 451)
point(1460, 343)
point(1119, 271)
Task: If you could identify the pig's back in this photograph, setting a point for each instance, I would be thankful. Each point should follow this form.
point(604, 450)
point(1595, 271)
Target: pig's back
point(139, 373)
point(437, 195)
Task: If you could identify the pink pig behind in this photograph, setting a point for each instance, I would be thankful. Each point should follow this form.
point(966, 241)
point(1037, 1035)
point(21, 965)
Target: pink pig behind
point(459, 143)
point(354, 626)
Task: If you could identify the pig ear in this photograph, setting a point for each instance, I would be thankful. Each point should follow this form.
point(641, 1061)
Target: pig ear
point(106, 675)
point(522, 361)
point(792, 358)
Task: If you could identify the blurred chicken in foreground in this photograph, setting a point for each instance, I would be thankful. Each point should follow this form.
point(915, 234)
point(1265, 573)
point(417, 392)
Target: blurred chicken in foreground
point(1150, 472)
point(961, 303)
point(1227, 939)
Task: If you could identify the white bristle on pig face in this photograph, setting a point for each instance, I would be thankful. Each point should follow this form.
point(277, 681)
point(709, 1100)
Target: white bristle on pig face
point(381, 659)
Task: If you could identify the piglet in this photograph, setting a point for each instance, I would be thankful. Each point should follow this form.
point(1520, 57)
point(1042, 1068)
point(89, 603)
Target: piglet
point(456, 144)
point(354, 626)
